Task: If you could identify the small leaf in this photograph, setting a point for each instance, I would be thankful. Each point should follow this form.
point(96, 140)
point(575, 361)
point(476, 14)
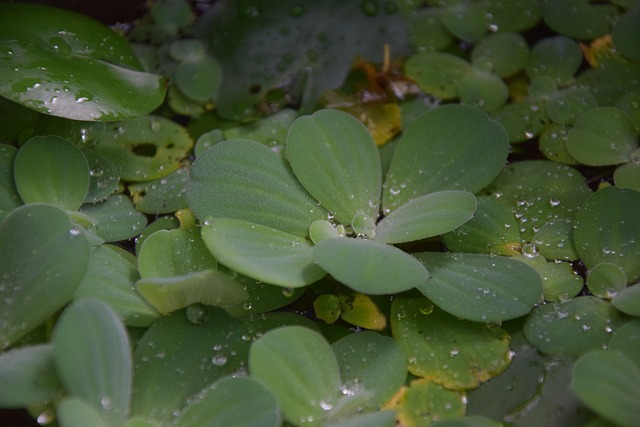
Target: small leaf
point(557, 57)
point(571, 328)
point(427, 216)
point(360, 310)
point(247, 181)
point(103, 177)
point(455, 353)
point(607, 382)
point(44, 260)
point(261, 252)
point(92, 356)
point(605, 280)
point(424, 402)
point(300, 368)
point(144, 148)
point(481, 288)
point(51, 170)
point(116, 218)
point(334, 157)
point(506, 52)
point(198, 78)
point(226, 403)
point(369, 267)
point(28, 377)
point(437, 73)
point(627, 300)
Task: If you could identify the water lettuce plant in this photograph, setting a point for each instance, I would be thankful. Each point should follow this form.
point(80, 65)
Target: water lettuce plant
point(378, 213)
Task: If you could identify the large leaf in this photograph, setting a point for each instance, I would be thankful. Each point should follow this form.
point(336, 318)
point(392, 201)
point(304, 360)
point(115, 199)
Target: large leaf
point(50, 169)
point(65, 64)
point(232, 401)
point(297, 48)
point(607, 381)
point(261, 252)
point(453, 147)
point(92, 356)
point(479, 287)
point(455, 353)
point(369, 267)
point(245, 180)
point(28, 377)
point(427, 216)
point(336, 160)
point(44, 258)
point(299, 367)
point(181, 355)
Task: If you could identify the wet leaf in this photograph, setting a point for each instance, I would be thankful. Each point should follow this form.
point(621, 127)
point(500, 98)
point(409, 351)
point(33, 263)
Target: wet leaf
point(369, 267)
point(453, 147)
point(437, 73)
point(42, 47)
point(628, 175)
point(554, 241)
point(579, 19)
point(93, 359)
point(427, 31)
point(479, 287)
point(455, 353)
point(505, 52)
point(116, 218)
point(557, 57)
point(247, 181)
point(605, 280)
point(466, 21)
point(560, 282)
point(606, 381)
point(625, 340)
point(567, 105)
point(144, 148)
point(161, 196)
point(261, 252)
point(103, 177)
point(424, 402)
point(225, 403)
point(571, 328)
point(483, 89)
point(513, 15)
point(627, 300)
point(300, 368)
point(110, 277)
point(607, 230)
point(51, 170)
point(426, 216)
point(180, 356)
point(522, 120)
point(336, 161)
point(44, 259)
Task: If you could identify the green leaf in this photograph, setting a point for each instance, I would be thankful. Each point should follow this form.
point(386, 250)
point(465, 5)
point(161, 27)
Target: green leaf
point(93, 359)
point(571, 328)
point(208, 287)
point(565, 106)
point(602, 136)
point(28, 377)
point(626, 32)
point(626, 340)
point(44, 259)
point(481, 288)
point(579, 19)
point(492, 230)
point(247, 181)
point(161, 196)
point(77, 412)
point(553, 144)
point(171, 253)
point(262, 297)
point(103, 177)
point(335, 159)
point(198, 78)
point(554, 241)
point(628, 175)
point(607, 382)
point(61, 63)
point(455, 353)
point(453, 147)
point(378, 419)
point(370, 267)
point(116, 218)
point(539, 192)
point(483, 89)
point(183, 354)
point(261, 252)
point(427, 216)
point(607, 230)
point(627, 300)
point(424, 402)
point(297, 49)
point(514, 15)
point(426, 30)
point(300, 368)
point(144, 148)
point(110, 277)
point(466, 21)
point(556, 57)
point(560, 282)
point(506, 53)
point(437, 73)
point(227, 403)
point(605, 280)
point(51, 170)
point(9, 198)
point(371, 362)
point(522, 120)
